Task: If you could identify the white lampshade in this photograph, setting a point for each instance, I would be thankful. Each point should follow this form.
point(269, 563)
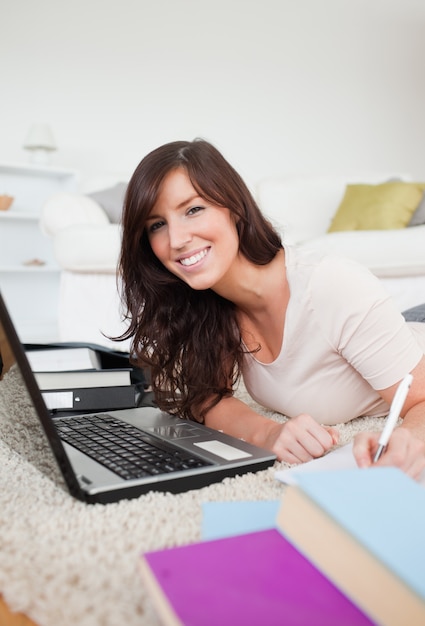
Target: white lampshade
point(40, 142)
point(40, 136)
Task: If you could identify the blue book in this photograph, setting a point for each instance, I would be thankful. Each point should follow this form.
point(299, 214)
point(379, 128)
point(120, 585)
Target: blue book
point(225, 519)
point(365, 530)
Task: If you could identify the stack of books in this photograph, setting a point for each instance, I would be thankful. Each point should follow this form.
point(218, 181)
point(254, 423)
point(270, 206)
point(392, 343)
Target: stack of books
point(346, 548)
point(76, 379)
point(364, 529)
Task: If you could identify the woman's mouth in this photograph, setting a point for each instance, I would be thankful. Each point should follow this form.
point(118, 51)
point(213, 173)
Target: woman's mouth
point(195, 258)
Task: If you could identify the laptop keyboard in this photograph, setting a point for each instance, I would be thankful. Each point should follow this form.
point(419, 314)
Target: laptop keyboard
point(122, 448)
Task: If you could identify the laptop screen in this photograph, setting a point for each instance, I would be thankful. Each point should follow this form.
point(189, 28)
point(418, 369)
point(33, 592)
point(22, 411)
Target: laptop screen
point(16, 374)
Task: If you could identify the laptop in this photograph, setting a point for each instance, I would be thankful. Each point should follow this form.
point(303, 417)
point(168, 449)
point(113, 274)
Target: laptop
point(109, 456)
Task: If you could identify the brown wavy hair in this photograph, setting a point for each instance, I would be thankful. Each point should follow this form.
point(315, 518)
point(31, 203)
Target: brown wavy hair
point(188, 338)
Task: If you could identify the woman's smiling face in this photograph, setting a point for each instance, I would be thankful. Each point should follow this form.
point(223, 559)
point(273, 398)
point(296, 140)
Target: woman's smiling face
point(193, 238)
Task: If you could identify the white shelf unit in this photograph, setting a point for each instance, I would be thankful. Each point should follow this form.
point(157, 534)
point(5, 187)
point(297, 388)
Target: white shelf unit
point(29, 274)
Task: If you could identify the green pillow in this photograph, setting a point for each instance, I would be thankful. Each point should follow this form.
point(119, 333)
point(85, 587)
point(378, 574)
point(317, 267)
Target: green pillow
point(377, 207)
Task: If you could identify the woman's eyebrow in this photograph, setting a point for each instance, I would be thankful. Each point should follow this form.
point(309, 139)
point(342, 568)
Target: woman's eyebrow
point(188, 201)
point(152, 216)
point(181, 204)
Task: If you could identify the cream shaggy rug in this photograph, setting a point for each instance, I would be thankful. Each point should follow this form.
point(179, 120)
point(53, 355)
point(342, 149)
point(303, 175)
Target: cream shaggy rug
point(63, 562)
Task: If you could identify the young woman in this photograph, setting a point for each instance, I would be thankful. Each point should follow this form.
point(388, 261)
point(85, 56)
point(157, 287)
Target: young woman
point(211, 294)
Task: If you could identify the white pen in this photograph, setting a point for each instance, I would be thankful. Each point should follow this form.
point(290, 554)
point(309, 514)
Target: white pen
point(395, 410)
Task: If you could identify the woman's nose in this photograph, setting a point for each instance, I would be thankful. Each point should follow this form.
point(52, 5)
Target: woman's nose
point(179, 235)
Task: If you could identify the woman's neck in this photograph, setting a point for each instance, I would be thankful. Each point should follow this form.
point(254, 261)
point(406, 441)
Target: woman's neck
point(261, 295)
point(253, 287)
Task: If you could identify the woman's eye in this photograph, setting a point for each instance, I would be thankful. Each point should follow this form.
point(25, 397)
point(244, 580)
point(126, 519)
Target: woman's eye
point(195, 209)
point(155, 226)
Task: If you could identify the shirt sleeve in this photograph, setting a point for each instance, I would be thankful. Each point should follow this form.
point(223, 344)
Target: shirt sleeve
point(362, 323)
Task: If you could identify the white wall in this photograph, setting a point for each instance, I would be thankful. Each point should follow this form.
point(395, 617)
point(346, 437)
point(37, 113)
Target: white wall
point(280, 86)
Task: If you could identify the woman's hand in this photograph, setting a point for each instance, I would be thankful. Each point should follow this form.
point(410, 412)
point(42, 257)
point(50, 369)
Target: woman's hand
point(404, 451)
point(406, 447)
point(300, 439)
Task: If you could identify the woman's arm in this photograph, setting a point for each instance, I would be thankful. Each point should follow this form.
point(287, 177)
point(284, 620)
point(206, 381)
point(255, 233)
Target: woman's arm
point(298, 440)
point(406, 448)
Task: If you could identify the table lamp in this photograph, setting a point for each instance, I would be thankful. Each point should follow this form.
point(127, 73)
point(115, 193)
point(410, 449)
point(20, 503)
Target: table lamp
point(40, 142)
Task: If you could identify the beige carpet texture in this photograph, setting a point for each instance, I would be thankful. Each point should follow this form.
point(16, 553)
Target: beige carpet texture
point(63, 562)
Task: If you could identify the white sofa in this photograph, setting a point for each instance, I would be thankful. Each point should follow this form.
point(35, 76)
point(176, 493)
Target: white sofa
point(303, 208)
point(87, 243)
point(86, 246)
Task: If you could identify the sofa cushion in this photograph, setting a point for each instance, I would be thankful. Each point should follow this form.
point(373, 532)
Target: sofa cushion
point(387, 253)
point(374, 207)
point(418, 216)
point(62, 210)
point(111, 200)
point(88, 248)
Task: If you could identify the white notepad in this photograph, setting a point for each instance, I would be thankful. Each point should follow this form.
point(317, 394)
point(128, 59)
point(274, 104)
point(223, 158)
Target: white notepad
point(339, 458)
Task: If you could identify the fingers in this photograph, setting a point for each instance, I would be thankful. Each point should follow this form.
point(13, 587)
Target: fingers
point(403, 451)
point(333, 433)
point(302, 439)
point(364, 448)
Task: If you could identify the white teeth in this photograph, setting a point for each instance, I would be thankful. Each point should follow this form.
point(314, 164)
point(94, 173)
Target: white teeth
point(193, 259)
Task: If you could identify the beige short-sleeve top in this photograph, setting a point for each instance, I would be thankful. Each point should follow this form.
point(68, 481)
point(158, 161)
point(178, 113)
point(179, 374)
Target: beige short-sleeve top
point(344, 338)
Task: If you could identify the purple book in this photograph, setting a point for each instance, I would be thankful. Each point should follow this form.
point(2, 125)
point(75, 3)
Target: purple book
point(251, 579)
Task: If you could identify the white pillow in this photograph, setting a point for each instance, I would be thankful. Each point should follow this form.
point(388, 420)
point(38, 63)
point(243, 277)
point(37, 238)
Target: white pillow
point(65, 209)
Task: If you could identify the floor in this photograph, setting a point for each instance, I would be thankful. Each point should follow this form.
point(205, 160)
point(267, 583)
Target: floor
point(12, 619)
